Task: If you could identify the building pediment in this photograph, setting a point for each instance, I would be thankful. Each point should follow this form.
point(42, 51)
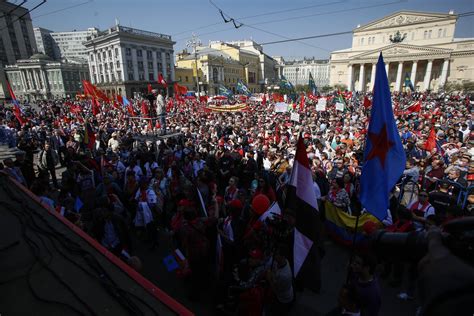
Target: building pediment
point(398, 51)
point(404, 18)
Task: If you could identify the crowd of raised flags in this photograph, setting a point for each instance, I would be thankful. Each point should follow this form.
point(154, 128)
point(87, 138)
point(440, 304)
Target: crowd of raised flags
point(324, 159)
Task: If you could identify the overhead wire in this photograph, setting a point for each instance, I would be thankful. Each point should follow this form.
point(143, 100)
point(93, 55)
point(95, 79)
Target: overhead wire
point(263, 14)
point(21, 16)
point(15, 8)
point(63, 9)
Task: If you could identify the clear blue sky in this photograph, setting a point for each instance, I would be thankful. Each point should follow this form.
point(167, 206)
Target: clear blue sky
point(286, 18)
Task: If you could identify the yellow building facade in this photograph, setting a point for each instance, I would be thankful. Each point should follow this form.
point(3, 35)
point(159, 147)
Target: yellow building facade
point(220, 63)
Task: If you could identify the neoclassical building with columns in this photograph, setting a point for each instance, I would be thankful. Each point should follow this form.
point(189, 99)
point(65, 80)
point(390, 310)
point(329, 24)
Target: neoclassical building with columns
point(418, 44)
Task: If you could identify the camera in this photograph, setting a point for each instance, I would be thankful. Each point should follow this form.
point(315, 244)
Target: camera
point(458, 237)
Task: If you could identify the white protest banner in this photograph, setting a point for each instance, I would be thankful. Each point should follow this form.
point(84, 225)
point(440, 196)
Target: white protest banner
point(295, 117)
point(281, 107)
point(321, 106)
point(340, 106)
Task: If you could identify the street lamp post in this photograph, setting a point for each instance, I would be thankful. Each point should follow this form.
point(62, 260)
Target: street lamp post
point(194, 42)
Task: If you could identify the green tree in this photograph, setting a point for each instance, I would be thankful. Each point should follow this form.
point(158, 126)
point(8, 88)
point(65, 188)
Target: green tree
point(450, 87)
point(326, 89)
point(468, 86)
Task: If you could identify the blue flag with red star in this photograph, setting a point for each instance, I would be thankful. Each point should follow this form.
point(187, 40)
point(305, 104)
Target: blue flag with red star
point(384, 155)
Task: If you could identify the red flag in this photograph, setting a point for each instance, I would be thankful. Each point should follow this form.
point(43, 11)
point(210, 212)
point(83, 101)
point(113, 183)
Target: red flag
point(144, 109)
point(131, 110)
point(149, 88)
point(162, 80)
point(203, 98)
point(169, 105)
point(431, 141)
point(120, 99)
point(264, 99)
point(89, 136)
point(16, 105)
point(302, 102)
point(116, 105)
point(95, 106)
point(367, 103)
point(415, 107)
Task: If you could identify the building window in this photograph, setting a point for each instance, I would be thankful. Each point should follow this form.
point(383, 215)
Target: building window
point(128, 51)
point(429, 33)
point(149, 54)
point(186, 78)
point(129, 64)
point(141, 76)
point(110, 54)
point(100, 68)
point(130, 76)
point(425, 34)
point(101, 78)
point(98, 57)
point(139, 53)
point(150, 76)
point(106, 67)
point(92, 57)
point(93, 69)
point(140, 65)
point(106, 78)
point(111, 65)
point(116, 52)
point(117, 64)
point(112, 77)
point(150, 65)
point(119, 75)
point(160, 66)
point(440, 32)
point(104, 55)
point(362, 41)
point(444, 32)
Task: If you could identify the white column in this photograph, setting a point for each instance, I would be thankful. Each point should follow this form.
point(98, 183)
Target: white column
point(163, 65)
point(349, 77)
point(444, 74)
point(399, 76)
point(372, 77)
point(45, 82)
point(426, 82)
point(413, 73)
point(361, 77)
point(23, 80)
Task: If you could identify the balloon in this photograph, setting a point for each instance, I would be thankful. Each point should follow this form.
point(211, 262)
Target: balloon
point(260, 204)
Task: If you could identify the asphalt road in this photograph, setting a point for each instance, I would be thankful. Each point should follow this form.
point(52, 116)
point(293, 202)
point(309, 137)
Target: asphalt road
point(307, 303)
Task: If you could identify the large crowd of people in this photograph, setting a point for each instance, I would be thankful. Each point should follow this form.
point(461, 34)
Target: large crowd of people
point(206, 180)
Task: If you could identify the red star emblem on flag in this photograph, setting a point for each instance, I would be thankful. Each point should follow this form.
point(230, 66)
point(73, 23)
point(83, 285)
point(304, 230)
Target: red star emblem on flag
point(380, 145)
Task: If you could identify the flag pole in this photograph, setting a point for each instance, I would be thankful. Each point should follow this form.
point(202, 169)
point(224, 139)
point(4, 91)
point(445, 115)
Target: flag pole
point(353, 248)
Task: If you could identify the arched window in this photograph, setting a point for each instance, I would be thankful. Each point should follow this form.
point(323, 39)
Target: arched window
point(440, 32)
point(362, 41)
point(425, 35)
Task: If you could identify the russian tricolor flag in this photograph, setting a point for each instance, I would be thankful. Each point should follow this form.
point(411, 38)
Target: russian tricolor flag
point(16, 105)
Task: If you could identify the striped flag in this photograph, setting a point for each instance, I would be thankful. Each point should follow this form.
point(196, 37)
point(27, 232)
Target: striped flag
point(301, 197)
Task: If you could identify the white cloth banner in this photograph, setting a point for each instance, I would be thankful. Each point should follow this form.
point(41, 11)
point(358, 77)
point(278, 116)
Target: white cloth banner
point(340, 106)
point(321, 106)
point(281, 107)
point(295, 117)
